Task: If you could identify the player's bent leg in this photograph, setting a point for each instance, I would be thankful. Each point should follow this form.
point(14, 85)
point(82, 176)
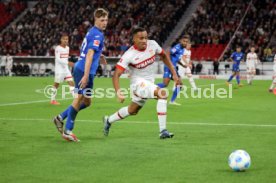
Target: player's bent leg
point(165, 83)
point(231, 77)
point(54, 94)
point(161, 108)
point(132, 109)
point(191, 80)
point(72, 114)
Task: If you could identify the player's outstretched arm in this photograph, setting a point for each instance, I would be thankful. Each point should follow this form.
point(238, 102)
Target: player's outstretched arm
point(88, 63)
point(116, 84)
point(164, 57)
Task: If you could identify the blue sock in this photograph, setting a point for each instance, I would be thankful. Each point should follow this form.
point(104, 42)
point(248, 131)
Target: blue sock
point(64, 114)
point(238, 79)
point(231, 77)
point(161, 85)
point(175, 93)
point(72, 113)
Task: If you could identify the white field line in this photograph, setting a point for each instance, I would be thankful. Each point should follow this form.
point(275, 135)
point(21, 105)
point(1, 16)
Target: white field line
point(29, 102)
point(148, 122)
point(41, 101)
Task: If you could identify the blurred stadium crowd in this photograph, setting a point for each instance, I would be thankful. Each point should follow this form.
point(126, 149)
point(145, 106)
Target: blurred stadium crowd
point(211, 28)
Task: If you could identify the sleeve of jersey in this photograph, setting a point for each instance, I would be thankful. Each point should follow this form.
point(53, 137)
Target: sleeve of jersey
point(173, 50)
point(157, 48)
point(94, 42)
point(122, 64)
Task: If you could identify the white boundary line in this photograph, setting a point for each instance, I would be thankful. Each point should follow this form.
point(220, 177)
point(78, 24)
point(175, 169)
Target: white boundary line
point(30, 102)
point(148, 122)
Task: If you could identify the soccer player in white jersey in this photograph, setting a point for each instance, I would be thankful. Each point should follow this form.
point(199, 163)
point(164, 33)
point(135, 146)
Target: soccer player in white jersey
point(251, 62)
point(187, 63)
point(139, 58)
point(62, 72)
point(273, 85)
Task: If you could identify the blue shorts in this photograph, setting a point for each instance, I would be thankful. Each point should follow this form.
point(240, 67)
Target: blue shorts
point(78, 74)
point(236, 68)
point(168, 73)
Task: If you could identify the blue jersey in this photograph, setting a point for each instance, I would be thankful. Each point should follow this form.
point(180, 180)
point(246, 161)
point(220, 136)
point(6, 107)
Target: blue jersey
point(237, 57)
point(94, 39)
point(176, 53)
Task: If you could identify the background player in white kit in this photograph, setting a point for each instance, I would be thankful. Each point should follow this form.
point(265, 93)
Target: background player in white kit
point(273, 85)
point(139, 59)
point(251, 63)
point(186, 61)
point(62, 72)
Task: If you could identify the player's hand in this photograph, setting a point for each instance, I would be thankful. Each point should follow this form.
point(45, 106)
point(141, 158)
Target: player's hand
point(177, 80)
point(120, 97)
point(83, 82)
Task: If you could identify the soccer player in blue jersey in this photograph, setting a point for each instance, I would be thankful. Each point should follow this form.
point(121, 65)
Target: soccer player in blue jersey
point(176, 54)
point(84, 71)
point(236, 58)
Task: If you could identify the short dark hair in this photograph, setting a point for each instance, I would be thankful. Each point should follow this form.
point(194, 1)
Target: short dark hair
point(238, 46)
point(186, 36)
point(64, 34)
point(137, 29)
point(100, 12)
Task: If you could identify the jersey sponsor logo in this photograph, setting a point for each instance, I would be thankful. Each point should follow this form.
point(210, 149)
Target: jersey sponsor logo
point(96, 43)
point(144, 63)
point(64, 55)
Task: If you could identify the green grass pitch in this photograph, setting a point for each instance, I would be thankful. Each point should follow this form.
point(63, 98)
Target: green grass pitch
point(206, 132)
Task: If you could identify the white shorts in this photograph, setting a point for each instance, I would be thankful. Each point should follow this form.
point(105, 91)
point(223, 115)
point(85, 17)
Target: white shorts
point(184, 71)
point(251, 69)
point(142, 90)
point(64, 75)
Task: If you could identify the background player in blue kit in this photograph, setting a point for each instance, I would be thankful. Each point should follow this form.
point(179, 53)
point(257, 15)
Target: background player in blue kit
point(176, 54)
point(84, 71)
point(236, 57)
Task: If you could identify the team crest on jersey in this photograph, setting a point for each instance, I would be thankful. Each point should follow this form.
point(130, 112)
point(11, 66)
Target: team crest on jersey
point(96, 43)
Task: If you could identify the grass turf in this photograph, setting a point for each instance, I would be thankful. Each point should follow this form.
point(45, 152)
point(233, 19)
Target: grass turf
point(206, 132)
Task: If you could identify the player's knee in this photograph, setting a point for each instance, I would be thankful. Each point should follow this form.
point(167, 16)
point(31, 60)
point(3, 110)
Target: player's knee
point(87, 103)
point(133, 111)
point(162, 94)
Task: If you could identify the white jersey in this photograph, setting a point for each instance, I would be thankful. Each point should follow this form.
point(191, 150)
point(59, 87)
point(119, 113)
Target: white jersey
point(251, 60)
point(140, 63)
point(61, 58)
point(186, 57)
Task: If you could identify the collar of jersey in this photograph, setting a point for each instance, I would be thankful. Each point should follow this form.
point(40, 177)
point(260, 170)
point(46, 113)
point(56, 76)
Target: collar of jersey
point(97, 28)
point(135, 47)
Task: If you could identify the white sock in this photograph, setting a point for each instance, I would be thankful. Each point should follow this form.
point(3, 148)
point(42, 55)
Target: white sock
point(121, 114)
point(72, 89)
point(162, 113)
point(54, 94)
point(192, 82)
point(248, 78)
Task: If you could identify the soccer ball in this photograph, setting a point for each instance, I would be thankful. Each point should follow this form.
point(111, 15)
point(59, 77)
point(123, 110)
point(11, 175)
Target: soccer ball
point(239, 160)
